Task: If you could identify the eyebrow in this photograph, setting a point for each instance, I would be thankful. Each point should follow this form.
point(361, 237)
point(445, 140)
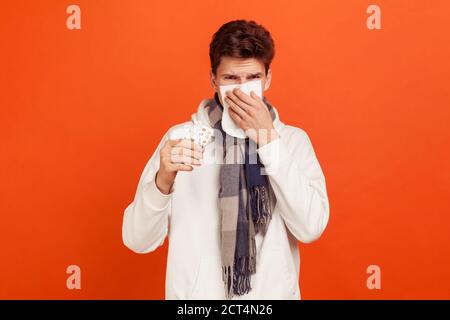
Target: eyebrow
point(251, 75)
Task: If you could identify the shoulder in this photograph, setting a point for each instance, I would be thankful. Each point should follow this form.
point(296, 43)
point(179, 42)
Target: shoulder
point(297, 141)
point(176, 131)
point(294, 135)
point(199, 117)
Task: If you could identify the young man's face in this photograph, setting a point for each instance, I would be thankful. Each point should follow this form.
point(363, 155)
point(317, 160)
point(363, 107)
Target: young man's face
point(240, 70)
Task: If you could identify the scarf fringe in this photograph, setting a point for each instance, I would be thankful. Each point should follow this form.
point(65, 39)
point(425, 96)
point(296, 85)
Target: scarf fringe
point(252, 255)
point(260, 207)
point(237, 278)
point(244, 268)
point(228, 277)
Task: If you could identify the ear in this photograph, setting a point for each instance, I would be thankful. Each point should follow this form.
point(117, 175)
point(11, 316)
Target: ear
point(213, 81)
point(268, 80)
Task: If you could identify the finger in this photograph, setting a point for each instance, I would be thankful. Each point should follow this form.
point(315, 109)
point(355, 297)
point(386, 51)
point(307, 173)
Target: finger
point(187, 152)
point(190, 144)
point(173, 142)
point(237, 109)
point(257, 98)
point(181, 167)
point(235, 117)
point(230, 96)
point(184, 159)
point(248, 100)
point(234, 98)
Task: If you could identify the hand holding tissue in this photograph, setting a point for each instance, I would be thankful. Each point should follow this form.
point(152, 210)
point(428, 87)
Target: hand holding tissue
point(228, 125)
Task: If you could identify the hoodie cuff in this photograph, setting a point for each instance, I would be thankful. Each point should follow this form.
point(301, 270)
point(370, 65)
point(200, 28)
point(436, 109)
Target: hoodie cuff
point(272, 155)
point(154, 198)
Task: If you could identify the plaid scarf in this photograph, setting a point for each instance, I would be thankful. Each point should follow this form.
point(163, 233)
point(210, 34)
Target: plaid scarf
point(244, 204)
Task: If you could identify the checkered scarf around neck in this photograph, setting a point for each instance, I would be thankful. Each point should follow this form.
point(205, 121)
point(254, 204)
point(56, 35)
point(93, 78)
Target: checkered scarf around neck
point(244, 204)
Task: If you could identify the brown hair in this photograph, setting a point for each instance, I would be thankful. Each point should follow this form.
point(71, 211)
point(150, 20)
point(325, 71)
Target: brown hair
point(241, 39)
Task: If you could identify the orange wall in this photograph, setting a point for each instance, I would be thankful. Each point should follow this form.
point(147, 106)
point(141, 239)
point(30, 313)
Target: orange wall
point(82, 110)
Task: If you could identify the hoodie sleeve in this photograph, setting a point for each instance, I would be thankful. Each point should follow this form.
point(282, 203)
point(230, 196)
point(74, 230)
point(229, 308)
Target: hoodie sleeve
point(298, 183)
point(146, 219)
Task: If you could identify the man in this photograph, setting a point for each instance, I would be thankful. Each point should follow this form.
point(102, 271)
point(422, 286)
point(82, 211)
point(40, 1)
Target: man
point(233, 226)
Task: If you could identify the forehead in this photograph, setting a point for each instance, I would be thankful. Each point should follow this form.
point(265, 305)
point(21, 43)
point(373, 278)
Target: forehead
point(232, 65)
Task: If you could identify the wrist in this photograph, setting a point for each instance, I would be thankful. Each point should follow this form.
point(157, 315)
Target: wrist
point(163, 183)
point(268, 136)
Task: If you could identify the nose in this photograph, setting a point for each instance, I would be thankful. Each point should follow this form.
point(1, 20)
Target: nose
point(242, 80)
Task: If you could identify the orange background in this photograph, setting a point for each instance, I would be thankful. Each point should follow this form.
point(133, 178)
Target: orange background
point(82, 111)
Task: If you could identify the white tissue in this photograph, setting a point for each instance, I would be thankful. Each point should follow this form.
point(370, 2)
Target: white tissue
point(228, 125)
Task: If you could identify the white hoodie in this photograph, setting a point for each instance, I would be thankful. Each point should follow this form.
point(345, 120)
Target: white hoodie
point(189, 216)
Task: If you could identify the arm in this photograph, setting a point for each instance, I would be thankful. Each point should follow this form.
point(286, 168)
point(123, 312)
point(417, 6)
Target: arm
point(145, 221)
point(298, 183)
